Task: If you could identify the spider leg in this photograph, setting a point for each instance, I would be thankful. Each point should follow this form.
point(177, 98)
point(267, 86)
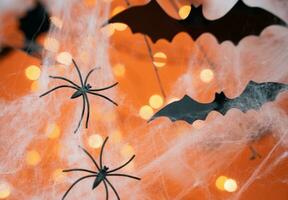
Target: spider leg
point(58, 87)
point(100, 95)
point(65, 79)
point(82, 114)
point(106, 189)
point(101, 152)
point(114, 190)
point(105, 88)
point(77, 181)
point(88, 109)
point(134, 177)
point(122, 165)
point(91, 157)
point(79, 170)
point(89, 73)
point(79, 73)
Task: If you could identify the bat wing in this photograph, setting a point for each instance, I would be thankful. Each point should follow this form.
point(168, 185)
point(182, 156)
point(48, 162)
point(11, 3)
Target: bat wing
point(239, 22)
point(253, 97)
point(150, 20)
point(185, 109)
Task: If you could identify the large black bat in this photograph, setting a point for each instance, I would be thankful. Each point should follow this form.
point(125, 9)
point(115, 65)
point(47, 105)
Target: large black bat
point(240, 21)
point(32, 24)
point(253, 97)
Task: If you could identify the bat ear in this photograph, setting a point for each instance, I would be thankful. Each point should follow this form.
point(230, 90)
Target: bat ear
point(220, 97)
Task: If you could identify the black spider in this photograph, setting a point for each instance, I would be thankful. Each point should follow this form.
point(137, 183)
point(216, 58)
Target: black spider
point(101, 175)
point(82, 91)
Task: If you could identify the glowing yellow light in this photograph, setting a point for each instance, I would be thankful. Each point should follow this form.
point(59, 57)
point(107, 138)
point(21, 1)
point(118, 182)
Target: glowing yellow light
point(119, 70)
point(230, 185)
point(206, 75)
point(33, 158)
point(117, 10)
point(95, 141)
point(32, 72)
point(34, 86)
point(159, 59)
point(56, 21)
point(127, 151)
point(64, 58)
point(156, 101)
point(220, 182)
point(51, 44)
point(146, 112)
point(116, 136)
point(58, 175)
point(5, 190)
point(120, 26)
point(184, 11)
point(108, 30)
point(52, 131)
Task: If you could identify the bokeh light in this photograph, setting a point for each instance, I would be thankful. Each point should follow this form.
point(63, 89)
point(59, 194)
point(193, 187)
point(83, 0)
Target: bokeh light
point(184, 11)
point(32, 72)
point(146, 112)
point(5, 190)
point(156, 101)
point(119, 70)
point(51, 44)
point(58, 175)
point(230, 185)
point(127, 151)
point(206, 75)
point(159, 59)
point(108, 30)
point(220, 181)
point(95, 141)
point(52, 131)
point(33, 158)
point(116, 136)
point(64, 58)
point(34, 86)
point(120, 26)
point(56, 21)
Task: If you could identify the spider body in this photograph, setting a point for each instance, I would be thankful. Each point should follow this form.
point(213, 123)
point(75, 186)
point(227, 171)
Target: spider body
point(101, 176)
point(81, 90)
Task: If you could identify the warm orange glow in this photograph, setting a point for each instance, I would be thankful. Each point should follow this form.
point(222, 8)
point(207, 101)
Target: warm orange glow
point(5, 190)
point(51, 44)
point(230, 185)
point(220, 182)
point(108, 30)
point(156, 101)
point(116, 136)
point(120, 26)
point(52, 131)
point(184, 11)
point(127, 151)
point(58, 175)
point(119, 70)
point(146, 112)
point(64, 58)
point(117, 10)
point(206, 75)
point(159, 59)
point(33, 158)
point(32, 72)
point(95, 141)
point(34, 86)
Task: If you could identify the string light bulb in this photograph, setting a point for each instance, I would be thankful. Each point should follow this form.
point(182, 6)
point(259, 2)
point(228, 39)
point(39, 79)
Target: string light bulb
point(220, 181)
point(64, 58)
point(156, 101)
point(184, 11)
point(146, 112)
point(32, 72)
point(159, 59)
point(230, 185)
point(95, 141)
point(206, 75)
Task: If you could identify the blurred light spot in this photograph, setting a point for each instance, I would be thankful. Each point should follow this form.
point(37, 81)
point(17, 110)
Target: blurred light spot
point(127, 151)
point(120, 26)
point(58, 175)
point(116, 136)
point(90, 3)
point(52, 131)
point(32, 72)
point(95, 141)
point(230, 185)
point(34, 86)
point(198, 124)
point(159, 59)
point(117, 10)
point(64, 58)
point(146, 112)
point(119, 70)
point(220, 182)
point(56, 21)
point(156, 101)
point(33, 158)
point(206, 75)
point(5, 190)
point(108, 30)
point(51, 44)
point(184, 11)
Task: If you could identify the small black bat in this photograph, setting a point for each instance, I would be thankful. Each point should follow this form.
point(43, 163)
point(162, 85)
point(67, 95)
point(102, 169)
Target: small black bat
point(253, 97)
point(239, 22)
point(32, 24)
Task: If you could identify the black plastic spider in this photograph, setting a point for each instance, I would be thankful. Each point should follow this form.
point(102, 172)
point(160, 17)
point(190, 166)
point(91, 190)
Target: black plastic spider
point(101, 175)
point(82, 91)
